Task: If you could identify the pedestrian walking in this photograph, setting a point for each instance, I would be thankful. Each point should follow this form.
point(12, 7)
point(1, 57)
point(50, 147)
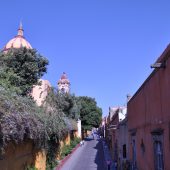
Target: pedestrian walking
point(115, 165)
point(108, 164)
point(81, 143)
point(93, 135)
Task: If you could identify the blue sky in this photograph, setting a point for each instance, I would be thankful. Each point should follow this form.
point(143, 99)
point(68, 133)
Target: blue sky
point(106, 47)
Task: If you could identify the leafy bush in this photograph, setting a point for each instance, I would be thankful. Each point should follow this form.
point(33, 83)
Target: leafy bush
point(68, 148)
point(51, 164)
point(31, 168)
point(74, 142)
point(21, 119)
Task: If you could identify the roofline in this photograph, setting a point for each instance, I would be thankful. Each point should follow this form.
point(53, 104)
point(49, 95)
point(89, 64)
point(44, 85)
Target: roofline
point(163, 57)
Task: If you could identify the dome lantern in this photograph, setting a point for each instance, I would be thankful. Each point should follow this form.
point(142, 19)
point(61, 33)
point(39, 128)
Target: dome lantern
point(20, 30)
point(18, 41)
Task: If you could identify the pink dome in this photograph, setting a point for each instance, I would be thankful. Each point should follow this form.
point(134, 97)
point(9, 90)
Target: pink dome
point(18, 41)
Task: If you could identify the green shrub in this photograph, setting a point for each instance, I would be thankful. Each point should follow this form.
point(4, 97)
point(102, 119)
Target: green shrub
point(51, 165)
point(74, 142)
point(68, 148)
point(31, 168)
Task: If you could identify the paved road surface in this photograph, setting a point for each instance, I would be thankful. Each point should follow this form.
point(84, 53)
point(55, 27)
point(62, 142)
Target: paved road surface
point(87, 157)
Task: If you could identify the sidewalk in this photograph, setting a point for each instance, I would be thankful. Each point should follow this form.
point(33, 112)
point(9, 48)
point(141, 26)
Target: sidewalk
point(107, 156)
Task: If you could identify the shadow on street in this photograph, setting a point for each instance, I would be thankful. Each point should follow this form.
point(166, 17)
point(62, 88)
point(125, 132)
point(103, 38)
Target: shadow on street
point(88, 139)
point(99, 159)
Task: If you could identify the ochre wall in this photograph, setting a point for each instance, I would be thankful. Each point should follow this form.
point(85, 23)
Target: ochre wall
point(74, 134)
point(66, 141)
point(40, 160)
point(18, 157)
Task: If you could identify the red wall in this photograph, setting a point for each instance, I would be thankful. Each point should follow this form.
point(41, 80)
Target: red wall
point(149, 109)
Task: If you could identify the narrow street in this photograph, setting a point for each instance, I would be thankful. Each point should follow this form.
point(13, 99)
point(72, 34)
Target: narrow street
point(87, 157)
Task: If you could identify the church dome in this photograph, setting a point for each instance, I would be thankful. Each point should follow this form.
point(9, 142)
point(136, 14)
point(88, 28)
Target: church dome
point(18, 41)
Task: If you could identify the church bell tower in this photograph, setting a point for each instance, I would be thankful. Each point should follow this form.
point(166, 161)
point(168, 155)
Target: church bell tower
point(64, 84)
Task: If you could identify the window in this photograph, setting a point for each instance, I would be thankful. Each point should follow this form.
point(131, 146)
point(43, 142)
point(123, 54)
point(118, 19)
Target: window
point(124, 151)
point(158, 150)
point(134, 152)
point(158, 155)
point(134, 161)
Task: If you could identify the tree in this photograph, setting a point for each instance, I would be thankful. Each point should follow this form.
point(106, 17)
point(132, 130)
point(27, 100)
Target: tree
point(74, 112)
point(67, 103)
point(90, 113)
point(21, 69)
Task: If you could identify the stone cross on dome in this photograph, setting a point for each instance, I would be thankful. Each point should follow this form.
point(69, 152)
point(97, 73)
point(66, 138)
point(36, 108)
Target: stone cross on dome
point(20, 30)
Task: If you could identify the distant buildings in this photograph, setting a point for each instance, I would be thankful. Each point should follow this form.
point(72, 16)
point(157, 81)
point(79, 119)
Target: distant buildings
point(113, 121)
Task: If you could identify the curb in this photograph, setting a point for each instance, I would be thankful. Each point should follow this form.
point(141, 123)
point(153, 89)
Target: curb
point(63, 161)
